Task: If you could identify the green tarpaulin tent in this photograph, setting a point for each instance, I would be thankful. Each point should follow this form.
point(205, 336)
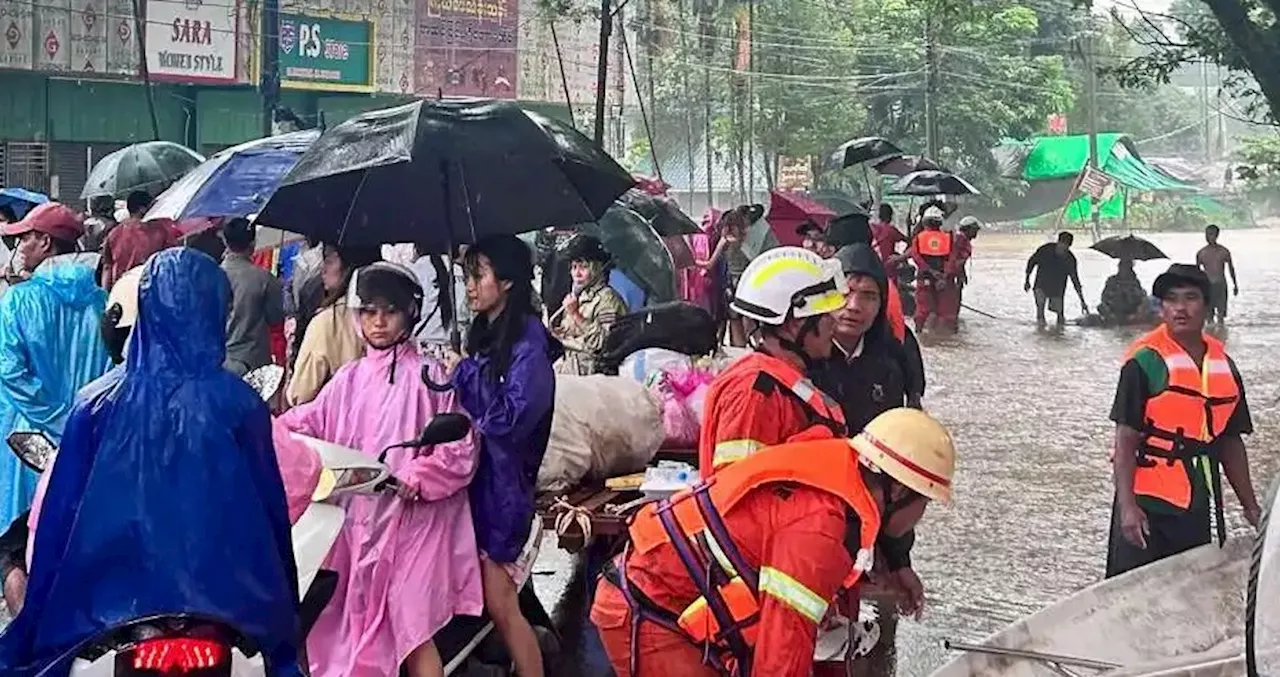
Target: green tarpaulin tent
point(1064, 157)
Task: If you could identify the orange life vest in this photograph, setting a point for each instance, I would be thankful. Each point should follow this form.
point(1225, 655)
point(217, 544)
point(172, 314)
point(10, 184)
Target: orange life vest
point(786, 381)
point(934, 243)
point(725, 614)
point(1184, 419)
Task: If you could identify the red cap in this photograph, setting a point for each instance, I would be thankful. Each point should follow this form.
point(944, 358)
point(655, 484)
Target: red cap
point(51, 218)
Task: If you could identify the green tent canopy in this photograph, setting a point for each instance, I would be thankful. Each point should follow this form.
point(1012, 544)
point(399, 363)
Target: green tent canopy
point(1054, 158)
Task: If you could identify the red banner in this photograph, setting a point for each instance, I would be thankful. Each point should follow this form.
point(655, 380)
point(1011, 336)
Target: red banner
point(467, 48)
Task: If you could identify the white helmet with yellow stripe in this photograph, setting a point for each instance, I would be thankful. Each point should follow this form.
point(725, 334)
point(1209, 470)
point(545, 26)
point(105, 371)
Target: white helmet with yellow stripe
point(788, 282)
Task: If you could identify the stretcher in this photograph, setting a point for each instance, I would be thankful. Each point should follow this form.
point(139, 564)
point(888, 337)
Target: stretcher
point(599, 510)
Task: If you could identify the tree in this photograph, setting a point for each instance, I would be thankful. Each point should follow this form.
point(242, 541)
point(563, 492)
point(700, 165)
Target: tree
point(1240, 35)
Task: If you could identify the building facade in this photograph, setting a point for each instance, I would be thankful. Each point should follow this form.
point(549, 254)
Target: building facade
point(73, 87)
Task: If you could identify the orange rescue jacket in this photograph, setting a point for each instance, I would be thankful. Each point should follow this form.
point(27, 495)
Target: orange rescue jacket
point(725, 614)
point(760, 401)
point(1184, 419)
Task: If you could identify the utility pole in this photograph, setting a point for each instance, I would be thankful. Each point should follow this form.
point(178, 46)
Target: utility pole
point(1222, 128)
point(1091, 82)
point(930, 89)
point(1204, 111)
point(751, 101)
point(602, 68)
point(269, 78)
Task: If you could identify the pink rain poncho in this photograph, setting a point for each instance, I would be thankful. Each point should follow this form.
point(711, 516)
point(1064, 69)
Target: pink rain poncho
point(405, 568)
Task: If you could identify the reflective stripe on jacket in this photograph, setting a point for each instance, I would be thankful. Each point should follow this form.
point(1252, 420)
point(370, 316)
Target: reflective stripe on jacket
point(730, 589)
point(760, 401)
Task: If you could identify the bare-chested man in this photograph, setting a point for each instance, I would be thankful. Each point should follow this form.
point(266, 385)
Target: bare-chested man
point(1215, 260)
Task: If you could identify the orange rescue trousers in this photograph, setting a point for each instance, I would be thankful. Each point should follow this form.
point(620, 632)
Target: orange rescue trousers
point(660, 652)
point(945, 303)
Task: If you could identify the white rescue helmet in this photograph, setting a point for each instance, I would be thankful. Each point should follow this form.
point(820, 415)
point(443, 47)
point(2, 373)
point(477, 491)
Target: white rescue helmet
point(125, 293)
point(911, 447)
point(788, 282)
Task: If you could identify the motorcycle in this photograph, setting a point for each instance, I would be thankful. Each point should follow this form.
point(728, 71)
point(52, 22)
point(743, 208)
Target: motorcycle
point(199, 647)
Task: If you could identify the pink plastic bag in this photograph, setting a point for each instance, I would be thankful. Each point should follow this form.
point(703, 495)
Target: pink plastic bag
point(674, 389)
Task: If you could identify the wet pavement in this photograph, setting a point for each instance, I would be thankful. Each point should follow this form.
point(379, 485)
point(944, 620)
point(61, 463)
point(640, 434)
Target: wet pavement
point(1029, 411)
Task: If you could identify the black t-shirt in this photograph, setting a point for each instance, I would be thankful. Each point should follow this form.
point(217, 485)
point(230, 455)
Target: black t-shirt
point(1053, 270)
point(1145, 375)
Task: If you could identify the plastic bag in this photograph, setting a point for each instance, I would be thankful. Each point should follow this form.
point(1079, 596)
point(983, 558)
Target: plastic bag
point(604, 426)
point(642, 365)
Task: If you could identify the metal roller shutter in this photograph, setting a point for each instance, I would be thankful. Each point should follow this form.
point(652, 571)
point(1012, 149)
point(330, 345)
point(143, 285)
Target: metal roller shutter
point(26, 165)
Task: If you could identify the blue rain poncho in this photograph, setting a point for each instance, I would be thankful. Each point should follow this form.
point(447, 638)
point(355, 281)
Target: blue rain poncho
point(165, 497)
point(50, 347)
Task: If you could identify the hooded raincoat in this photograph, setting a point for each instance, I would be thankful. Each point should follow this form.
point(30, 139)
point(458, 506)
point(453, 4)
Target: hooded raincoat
point(166, 497)
point(404, 568)
point(513, 414)
point(50, 347)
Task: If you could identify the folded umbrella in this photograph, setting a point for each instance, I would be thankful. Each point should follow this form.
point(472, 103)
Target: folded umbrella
point(1128, 247)
point(860, 151)
point(236, 182)
point(150, 166)
point(932, 182)
point(445, 172)
point(21, 200)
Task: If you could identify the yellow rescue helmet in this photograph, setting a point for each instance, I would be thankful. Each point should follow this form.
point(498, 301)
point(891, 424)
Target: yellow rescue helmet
point(125, 293)
point(911, 447)
point(788, 282)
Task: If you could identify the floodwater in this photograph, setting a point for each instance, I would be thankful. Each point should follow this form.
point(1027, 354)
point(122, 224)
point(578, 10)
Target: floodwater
point(1028, 411)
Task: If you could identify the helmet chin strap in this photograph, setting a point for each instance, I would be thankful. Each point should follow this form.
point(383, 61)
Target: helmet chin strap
point(796, 345)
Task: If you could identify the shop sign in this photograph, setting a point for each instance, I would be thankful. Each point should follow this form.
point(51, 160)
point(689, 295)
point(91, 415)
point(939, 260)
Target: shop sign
point(192, 40)
point(467, 48)
point(16, 30)
point(326, 53)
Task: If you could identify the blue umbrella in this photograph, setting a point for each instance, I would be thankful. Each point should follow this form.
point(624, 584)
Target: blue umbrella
point(236, 182)
point(21, 200)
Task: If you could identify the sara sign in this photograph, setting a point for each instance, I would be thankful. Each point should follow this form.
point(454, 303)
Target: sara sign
point(192, 40)
point(326, 53)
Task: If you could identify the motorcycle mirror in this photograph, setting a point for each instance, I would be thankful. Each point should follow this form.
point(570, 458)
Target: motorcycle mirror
point(443, 428)
point(266, 380)
point(33, 449)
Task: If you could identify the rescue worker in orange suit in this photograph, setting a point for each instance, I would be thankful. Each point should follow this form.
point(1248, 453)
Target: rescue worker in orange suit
point(765, 398)
point(734, 576)
point(933, 251)
point(1180, 411)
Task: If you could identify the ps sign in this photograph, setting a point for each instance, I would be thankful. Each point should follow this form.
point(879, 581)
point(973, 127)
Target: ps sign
point(326, 53)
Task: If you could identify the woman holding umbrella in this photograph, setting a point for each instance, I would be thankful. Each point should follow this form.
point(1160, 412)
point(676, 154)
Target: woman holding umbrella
point(589, 311)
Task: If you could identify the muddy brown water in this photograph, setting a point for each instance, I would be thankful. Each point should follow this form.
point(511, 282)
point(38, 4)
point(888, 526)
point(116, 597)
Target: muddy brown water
point(1029, 414)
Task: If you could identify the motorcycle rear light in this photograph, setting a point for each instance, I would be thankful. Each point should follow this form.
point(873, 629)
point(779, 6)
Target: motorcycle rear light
point(179, 656)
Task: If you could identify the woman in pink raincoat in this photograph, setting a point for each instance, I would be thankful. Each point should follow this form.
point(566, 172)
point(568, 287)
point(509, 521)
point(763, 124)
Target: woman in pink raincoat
point(406, 561)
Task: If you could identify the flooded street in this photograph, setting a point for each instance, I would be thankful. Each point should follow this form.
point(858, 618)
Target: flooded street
point(1029, 413)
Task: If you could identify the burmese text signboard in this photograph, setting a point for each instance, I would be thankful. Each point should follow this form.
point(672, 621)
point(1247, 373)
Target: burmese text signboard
point(192, 40)
point(326, 53)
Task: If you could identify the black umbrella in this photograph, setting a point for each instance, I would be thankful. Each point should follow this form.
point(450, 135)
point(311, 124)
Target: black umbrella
point(905, 164)
point(150, 166)
point(859, 151)
point(637, 250)
point(445, 172)
point(1128, 247)
point(932, 182)
point(660, 211)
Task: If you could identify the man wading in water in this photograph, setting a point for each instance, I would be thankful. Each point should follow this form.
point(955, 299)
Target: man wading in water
point(1213, 258)
point(1180, 410)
